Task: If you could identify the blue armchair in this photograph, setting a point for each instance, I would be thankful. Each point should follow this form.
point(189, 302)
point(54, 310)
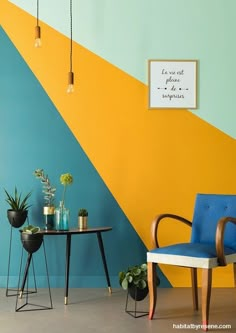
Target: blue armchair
point(213, 244)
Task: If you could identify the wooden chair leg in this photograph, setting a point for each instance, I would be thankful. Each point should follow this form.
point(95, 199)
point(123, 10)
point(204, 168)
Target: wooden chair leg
point(234, 268)
point(206, 296)
point(152, 286)
point(194, 288)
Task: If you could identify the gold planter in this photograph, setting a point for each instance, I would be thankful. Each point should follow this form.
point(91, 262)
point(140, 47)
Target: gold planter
point(82, 222)
point(48, 212)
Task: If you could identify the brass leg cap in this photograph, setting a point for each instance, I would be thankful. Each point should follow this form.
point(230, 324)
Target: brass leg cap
point(66, 300)
point(110, 290)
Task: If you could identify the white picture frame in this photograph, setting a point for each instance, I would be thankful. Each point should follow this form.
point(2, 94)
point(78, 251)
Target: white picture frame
point(172, 84)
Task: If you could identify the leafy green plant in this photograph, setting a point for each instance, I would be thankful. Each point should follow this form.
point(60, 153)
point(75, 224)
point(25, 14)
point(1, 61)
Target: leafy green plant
point(83, 212)
point(31, 229)
point(134, 276)
point(16, 202)
point(48, 189)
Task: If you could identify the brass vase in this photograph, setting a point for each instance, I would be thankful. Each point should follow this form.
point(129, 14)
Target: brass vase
point(82, 222)
point(48, 212)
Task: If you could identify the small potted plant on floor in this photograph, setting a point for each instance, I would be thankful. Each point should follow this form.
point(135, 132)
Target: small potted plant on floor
point(19, 208)
point(135, 280)
point(82, 218)
point(31, 238)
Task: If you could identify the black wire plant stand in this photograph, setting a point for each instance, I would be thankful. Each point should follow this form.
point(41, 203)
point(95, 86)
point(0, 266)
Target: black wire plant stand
point(23, 293)
point(134, 312)
point(13, 291)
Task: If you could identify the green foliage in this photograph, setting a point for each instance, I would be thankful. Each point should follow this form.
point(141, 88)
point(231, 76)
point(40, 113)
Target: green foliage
point(48, 189)
point(16, 202)
point(83, 212)
point(134, 276)
point(31, 229)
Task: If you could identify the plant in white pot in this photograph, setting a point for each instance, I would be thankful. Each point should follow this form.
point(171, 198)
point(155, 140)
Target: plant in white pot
point(18, 212)
point(49, 196)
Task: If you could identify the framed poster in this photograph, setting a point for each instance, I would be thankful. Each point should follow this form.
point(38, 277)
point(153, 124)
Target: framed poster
point(172, 84)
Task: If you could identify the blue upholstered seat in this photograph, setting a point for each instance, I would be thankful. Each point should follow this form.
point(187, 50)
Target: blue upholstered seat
point(212, 244)
point(197, 255)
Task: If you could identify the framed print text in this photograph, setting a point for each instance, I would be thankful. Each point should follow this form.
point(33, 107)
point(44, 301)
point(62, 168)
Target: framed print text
point(172, 84)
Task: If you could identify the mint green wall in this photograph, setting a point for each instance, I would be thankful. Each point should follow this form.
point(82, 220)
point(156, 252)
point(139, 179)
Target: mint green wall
point(128, 32)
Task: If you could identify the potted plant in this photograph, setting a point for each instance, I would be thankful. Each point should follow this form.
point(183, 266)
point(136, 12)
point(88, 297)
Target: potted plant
point(19, 208)
point(82, 218)
point(31, 238)
point(135, 280)
point(49, 195)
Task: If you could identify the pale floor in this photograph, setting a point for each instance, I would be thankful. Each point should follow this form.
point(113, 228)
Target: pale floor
point(95, 311)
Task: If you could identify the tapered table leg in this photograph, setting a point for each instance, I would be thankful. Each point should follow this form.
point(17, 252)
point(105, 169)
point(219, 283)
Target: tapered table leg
point(67, 272)
point(100, 242)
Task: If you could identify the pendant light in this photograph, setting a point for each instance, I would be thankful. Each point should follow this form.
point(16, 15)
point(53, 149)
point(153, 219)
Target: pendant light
point(37, 41)
point(70, 87)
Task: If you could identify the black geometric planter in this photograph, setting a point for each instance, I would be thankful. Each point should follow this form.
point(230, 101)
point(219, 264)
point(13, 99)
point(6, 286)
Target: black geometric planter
point(17, 217)
point(137, 294)
point(31, 242)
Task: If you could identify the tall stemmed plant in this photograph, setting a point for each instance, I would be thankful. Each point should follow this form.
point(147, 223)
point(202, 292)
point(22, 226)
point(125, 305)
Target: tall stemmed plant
point(65, 179)
point(48, 189)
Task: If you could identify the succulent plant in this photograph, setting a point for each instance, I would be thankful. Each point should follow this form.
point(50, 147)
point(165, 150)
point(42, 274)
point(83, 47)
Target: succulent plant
point(83, 212)
point(31, 229)
point(16, 202)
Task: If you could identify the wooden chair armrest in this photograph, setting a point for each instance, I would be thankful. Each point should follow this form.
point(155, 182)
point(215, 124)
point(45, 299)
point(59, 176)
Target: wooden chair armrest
point(220, 238)
point(157, 220)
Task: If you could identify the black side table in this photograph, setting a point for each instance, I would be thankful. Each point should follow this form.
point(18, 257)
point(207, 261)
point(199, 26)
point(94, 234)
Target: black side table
point(73, 232)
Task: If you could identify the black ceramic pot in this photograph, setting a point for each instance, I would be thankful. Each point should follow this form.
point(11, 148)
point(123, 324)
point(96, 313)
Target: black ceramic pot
point(17, 217)
point(137, 293)
point(31, 242)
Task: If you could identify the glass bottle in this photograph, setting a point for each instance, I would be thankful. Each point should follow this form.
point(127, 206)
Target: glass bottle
point(62, 216)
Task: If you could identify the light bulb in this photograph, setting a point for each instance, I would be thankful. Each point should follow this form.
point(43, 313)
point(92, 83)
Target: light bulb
point(70, 87)
point(37, 41)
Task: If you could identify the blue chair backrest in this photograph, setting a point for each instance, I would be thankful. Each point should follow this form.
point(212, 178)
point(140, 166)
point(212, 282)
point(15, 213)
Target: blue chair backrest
point(209, 208)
